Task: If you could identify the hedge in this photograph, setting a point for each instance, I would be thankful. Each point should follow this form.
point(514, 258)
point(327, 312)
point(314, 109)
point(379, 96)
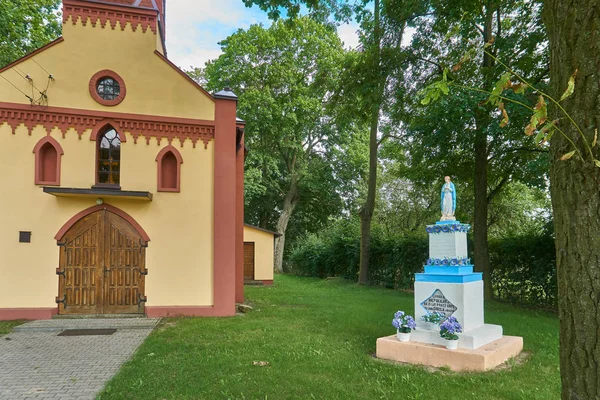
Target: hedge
point(523, 268)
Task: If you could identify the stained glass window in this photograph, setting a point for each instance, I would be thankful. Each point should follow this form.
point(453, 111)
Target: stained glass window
point(108, 88)
point(109, 158)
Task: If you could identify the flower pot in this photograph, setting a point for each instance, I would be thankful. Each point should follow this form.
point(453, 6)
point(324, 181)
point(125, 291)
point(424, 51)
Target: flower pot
point(451, 344)
point(403, 337)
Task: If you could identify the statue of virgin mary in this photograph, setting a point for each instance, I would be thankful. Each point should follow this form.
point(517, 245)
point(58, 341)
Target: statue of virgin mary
point(448, 197)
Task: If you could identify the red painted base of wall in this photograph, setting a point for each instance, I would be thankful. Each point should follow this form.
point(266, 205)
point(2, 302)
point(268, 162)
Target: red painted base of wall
point(267, 283)
point(10, 314)
point(186, 311)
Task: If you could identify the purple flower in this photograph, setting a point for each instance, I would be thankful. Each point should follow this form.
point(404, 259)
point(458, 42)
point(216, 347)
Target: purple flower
point(454, 261)
point(445, 228)
point(403, 323)
point(429, 261)
point(437, 261)
point(449, 328)
point(445, 262)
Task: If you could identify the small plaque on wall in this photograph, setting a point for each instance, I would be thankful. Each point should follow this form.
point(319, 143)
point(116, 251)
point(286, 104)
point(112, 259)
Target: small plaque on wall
point(24, 237)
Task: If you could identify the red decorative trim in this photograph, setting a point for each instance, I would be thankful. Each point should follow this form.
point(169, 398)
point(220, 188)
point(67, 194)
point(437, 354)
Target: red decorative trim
point(13, 314)
point(102, 126)
point(106, 73)
point(224, 226)
point(159, 159)
point(38, 163)
point(183, 311)
point(139, 125)
point(105, 13)
point(33, 53)
point(61, 233)
point(186, 76)
point(267, 282)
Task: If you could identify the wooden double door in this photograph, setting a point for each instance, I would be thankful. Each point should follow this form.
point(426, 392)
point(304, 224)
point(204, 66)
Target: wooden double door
point(102, 267)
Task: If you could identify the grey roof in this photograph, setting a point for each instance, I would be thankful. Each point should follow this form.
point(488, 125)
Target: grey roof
point(226, 94)
point(239, 120)
point(263, 230)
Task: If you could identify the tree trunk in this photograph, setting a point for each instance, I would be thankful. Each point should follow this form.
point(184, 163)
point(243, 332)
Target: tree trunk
point(366, 211)
point(480, 221)
point(481, 250)
point(289, 204)
point(574, 33)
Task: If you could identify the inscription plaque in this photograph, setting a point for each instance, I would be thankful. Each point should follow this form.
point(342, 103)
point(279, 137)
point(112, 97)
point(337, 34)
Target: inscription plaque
point(438, 302)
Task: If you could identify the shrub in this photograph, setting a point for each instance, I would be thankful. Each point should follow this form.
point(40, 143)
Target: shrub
point(523, 267)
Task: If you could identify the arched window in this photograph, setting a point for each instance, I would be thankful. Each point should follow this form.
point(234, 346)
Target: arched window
point(48, 153)
point(169, 170)
point(109, 158)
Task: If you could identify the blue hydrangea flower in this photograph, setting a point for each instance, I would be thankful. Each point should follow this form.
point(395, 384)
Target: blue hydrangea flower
point(437, 261)
point(437, 229)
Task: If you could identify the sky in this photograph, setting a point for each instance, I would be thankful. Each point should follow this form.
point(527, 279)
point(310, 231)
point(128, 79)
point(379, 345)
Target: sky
point(195, 27)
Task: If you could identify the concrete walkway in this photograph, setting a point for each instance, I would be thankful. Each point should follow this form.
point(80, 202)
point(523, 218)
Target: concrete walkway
point(36, 363)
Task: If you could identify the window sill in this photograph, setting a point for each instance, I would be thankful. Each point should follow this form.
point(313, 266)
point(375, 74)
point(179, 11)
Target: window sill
point(95, 192)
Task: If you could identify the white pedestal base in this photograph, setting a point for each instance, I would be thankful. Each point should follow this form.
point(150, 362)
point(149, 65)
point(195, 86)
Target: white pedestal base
point(472, 339)
point(467, 298)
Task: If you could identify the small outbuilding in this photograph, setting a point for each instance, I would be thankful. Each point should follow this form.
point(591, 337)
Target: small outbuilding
point(259, 254)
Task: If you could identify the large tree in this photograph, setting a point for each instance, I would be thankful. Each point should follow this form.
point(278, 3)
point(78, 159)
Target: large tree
point(373, 77)
point(284, 76)
point(574, 32)
point(26, 25)
point(459, 135)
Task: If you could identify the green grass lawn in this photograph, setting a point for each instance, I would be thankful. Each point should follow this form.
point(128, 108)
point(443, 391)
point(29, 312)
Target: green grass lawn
point(318, 337)
point(6, 326)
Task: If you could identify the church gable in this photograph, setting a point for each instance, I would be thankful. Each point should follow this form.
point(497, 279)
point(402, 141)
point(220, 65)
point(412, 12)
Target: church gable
point(111, 48)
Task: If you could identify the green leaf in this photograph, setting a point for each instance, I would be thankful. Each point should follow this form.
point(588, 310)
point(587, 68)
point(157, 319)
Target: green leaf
point(499, 88)
point(597, 163)
point(568, 155)
point(570, 86)
point(595, 138)
point(538, 138)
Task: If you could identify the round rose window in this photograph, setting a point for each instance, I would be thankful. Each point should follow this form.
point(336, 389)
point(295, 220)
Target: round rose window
point(107, 88)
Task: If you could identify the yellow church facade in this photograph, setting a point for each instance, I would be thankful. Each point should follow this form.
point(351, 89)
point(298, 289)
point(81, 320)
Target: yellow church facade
point(123, 177)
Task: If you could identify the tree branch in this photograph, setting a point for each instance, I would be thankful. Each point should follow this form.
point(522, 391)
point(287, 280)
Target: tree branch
point(497, 189)
point(517, 149)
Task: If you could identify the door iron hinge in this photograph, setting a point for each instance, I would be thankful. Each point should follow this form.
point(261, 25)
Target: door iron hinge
point(59, 272)
point(63, 300)
point(144, 271)
point(141, 299)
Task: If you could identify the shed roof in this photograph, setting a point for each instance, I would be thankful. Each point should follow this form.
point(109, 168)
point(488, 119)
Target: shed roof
point(276, 234)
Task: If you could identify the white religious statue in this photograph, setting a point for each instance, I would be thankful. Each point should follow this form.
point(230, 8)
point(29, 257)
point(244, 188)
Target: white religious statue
point(448, 197)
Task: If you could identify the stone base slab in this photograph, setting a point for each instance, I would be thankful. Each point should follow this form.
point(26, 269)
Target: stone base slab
point(473, 339)
point(481, 359)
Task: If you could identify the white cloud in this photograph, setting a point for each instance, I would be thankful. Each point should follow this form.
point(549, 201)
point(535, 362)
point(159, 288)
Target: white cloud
point(348, 35)
point(194, 28)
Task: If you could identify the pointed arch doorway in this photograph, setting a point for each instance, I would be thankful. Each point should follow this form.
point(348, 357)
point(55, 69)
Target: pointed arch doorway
point(102, 263)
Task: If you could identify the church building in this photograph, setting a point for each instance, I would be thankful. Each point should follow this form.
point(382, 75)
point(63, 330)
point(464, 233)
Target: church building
point(123, 178)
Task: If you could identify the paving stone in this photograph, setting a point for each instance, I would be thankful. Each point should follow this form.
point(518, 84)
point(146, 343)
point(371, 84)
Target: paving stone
point(38, 364)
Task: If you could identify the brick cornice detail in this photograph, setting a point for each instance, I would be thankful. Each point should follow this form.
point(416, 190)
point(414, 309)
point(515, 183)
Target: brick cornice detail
point(111, 14)
point(137, 125)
